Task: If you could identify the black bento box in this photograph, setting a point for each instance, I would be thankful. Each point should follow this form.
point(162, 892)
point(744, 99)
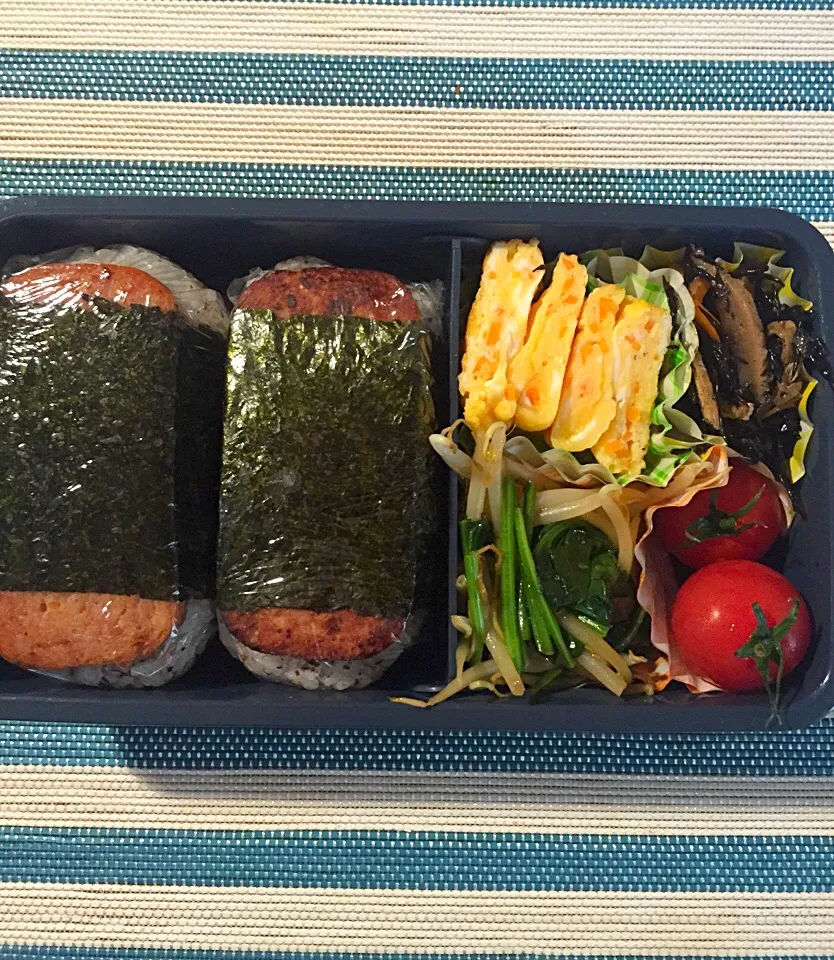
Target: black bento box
point(219, 240)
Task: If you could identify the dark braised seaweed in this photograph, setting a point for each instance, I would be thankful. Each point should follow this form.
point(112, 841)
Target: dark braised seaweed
point(810, 348)
point(723, 372)
point(755, 365)
point(674, 306)
point(697, 264)
point(769, 441)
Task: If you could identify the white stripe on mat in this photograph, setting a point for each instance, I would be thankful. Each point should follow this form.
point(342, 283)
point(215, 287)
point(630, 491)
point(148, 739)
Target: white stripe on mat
point(406, 30)
point(304, 919)
point(362, 136)
point(345, 800)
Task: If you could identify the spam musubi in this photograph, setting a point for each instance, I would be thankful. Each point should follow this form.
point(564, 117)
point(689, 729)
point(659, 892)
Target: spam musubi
point(325, 480)
point(111, 386)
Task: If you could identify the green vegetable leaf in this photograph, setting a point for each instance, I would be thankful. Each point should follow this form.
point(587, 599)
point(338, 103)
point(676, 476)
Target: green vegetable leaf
point(578, 569)
point(634, 634)
point(603, 573)
point(475, 534)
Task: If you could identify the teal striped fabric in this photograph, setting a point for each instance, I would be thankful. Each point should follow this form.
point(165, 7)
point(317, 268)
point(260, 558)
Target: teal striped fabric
point(221, 843)
point(808, 193)
point(418, 81)
point(416, 861)
point(792, 753)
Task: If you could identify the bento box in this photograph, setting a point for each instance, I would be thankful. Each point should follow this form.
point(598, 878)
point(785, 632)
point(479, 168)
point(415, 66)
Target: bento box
point(219, 240)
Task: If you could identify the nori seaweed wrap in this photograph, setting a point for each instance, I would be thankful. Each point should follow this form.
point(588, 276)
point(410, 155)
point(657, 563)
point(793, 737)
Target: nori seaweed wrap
point(111, 391)
point(325, 500)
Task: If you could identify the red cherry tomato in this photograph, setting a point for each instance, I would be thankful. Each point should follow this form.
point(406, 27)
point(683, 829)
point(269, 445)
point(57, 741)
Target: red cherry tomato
point(714, 616)
point(739, 521)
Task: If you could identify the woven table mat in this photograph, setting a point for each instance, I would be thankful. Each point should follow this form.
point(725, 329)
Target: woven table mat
point(183, 844)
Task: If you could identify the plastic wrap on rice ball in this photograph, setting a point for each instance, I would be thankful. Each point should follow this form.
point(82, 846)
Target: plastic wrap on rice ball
point(325, 501)
point(111, 392)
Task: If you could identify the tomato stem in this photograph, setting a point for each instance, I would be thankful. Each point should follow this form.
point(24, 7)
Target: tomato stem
point(720, 523)
point(765, 647)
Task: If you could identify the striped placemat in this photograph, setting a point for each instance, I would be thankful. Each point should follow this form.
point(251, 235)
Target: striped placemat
point(144, 844)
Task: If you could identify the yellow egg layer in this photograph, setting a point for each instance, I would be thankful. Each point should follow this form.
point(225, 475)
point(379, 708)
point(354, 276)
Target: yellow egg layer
point(641, 336)
point(587, 404)
point(496, 330)
point(537, 371)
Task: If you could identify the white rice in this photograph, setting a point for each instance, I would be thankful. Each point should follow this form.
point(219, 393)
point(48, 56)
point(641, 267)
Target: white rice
point(174, 658)
point(313, 674)
point(429, 299)
point(195, 302)
point(301, 263)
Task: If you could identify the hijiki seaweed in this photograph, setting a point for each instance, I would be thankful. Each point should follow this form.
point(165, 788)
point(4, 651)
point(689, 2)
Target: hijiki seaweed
point(759, 354)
